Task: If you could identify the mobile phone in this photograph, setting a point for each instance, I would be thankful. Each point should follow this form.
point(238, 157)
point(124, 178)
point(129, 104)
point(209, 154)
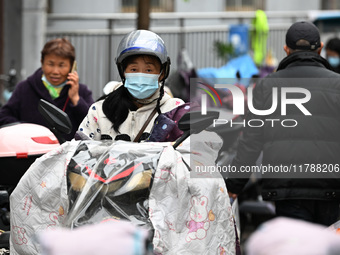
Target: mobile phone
point(74, 66)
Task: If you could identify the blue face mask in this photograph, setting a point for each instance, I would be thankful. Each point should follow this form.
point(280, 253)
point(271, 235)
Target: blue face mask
point(141, 85)
point(334, 61)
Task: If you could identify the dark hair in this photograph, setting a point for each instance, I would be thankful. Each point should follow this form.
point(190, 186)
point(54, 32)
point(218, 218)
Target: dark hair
point(60, 47)
point(334, 45)
point(117, 104)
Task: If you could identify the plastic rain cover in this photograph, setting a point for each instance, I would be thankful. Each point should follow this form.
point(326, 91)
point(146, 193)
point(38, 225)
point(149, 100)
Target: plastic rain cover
point(149, 184)
point(110, 183)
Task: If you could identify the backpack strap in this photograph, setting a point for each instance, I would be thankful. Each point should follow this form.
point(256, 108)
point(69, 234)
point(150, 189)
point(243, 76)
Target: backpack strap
point(145, 125)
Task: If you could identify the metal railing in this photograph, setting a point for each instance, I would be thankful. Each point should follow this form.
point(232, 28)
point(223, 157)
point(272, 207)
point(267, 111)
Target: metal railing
point(96, 47)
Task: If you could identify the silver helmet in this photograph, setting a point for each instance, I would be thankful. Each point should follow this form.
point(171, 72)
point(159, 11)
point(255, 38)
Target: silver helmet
point(142, 42)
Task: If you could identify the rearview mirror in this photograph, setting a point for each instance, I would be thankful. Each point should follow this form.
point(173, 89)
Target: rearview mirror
point(57, 120)
point(194, 122)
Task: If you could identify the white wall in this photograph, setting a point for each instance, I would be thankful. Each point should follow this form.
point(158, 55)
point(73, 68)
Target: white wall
point(292, 5)
point(199, 5)
point(82, 6)
point(85, 6)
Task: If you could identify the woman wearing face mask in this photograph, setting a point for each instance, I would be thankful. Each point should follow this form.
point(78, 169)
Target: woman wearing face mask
point(333, 53)
point(54, 83)
point(143, 66)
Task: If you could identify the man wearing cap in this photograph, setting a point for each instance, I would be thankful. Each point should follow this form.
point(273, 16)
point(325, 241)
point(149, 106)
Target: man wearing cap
point(308, 149)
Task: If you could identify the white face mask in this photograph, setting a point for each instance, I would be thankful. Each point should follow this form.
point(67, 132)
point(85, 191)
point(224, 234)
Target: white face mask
point(141, 85)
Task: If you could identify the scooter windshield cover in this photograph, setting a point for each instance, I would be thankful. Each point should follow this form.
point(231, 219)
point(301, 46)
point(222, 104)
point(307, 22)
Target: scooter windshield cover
point(110, 182)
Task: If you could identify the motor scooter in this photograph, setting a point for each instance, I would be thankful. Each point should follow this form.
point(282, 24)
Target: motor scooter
point(109, 180)
point(20, 145)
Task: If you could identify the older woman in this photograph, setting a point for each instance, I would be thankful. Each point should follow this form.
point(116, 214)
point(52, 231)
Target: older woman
point(55, 83)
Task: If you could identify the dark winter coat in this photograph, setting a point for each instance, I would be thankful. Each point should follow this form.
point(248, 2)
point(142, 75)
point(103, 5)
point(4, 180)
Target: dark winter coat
point(315, 139)
point(23, 104)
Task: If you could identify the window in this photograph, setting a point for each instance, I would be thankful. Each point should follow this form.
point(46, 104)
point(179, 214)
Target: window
point(156, 5)
point(244, 5)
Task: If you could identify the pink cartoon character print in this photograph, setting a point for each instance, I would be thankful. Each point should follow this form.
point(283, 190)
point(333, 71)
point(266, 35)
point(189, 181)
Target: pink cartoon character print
point(222, 251)
point(19, 235)
point(164, 174)
point(158, 246)
point(200, 222)
point(55, 218)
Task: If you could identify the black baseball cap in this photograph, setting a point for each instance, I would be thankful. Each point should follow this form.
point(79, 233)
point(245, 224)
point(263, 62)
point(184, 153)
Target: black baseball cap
point(303, 30)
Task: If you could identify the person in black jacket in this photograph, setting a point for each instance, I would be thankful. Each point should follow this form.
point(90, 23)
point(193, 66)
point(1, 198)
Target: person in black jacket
point(300, 141)
point(333, 53)
point(55, 82)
